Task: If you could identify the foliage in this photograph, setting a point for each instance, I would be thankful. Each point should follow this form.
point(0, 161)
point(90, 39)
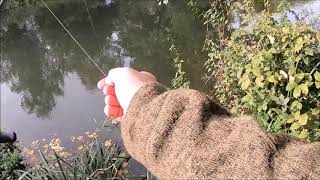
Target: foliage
point(89, 159)
point(269, 67)
point(180, 80)
point(12, 4)
point(10, 160)
point(93, 162)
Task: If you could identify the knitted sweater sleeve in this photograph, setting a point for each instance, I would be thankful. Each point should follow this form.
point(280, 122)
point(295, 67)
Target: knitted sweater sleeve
point(183, 134)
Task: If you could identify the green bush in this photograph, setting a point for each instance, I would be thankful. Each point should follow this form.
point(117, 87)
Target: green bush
point(270, 67)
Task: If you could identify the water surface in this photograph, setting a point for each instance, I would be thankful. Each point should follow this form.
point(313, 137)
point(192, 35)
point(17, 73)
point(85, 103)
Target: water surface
point(48, 85)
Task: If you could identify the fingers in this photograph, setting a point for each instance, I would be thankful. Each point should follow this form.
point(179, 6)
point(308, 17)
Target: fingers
point(113, 111)
point(110, 79)
point(113, 108)
point(111, 101)
point(109, 90)
point(101, 83)
point(106, 88)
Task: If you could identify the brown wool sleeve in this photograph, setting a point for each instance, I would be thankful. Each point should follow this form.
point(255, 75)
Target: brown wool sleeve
point(183, 134)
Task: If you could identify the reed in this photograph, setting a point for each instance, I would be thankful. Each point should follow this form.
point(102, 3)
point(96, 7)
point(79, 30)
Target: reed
point(10, 160)
point(93, 162)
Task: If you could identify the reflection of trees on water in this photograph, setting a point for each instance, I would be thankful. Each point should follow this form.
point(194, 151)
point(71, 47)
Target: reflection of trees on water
point(37, 77)
point(36, 53)
point(149, 30)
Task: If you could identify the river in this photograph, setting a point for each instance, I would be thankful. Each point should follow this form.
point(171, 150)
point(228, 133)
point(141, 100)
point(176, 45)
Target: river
point(48, 85)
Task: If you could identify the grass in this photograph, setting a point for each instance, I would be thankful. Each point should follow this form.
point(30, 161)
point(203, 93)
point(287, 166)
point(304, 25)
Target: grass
point(93, 162)
point(10, 160)
point(90, 159)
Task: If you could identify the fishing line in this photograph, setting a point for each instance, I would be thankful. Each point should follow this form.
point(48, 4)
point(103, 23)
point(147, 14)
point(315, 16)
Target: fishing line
point(80, 46)
point(92, 25)
point(89, 55)
point(73, 38)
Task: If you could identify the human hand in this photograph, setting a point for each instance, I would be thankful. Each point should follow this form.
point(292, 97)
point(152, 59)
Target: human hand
point(120, 86)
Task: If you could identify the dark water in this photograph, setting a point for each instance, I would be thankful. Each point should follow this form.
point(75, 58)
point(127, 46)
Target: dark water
point(48, 86)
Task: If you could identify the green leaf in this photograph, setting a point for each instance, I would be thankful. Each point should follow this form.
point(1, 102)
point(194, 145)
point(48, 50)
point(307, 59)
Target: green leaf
point(256, 60)
point(259, 80)
point(309, 51)
point(297, 92)
point(246, 98)
point(309, 77)
point(286, 30)
point(303, 134)
point(295, 133)
point(304, 88)
point(291, 85)
point(256, 70)
point(317, 85)
point(244, 77)
point(248, 69)
point(272, 51)
point(296, 105)
point(315, 112)
point(292, 70)
point(317, 76)
point(269, 73)
point(295, 126)
point(245, 84)
point(264, 105)
point(303, 119)
point(306, 61)
point(299, 76)
point(233, 110)
point(272, 79)
point(290, 120)
point(308, 83)
point(296, 115)
point(299, 45)
point(268, 55)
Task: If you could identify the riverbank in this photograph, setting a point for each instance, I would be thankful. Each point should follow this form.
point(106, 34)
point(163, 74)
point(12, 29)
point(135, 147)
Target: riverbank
point(263, 61)
point(91, 159)
point(10, 160)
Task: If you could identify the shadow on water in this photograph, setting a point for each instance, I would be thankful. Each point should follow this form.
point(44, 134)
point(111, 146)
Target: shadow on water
point(48, 86)
point(37, 54)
